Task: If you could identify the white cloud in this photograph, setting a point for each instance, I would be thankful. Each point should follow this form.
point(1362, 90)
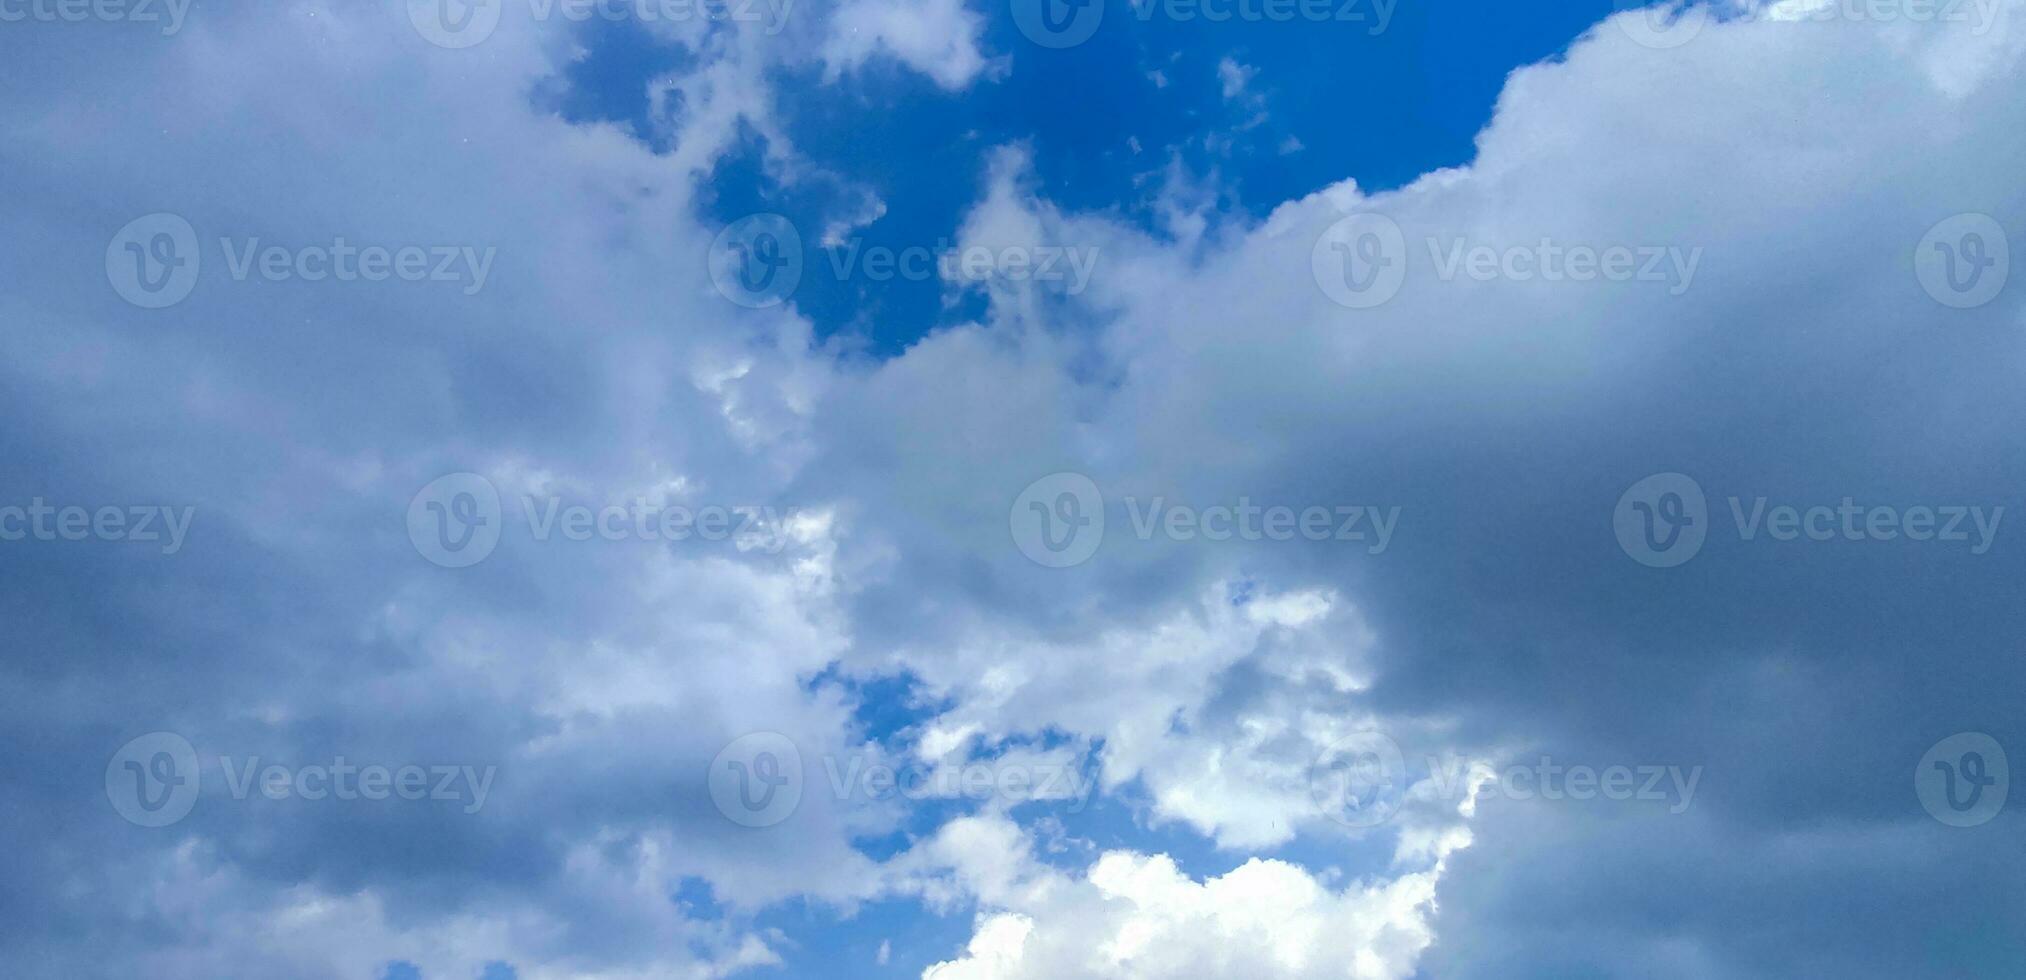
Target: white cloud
point(1233, 77)
point(938, 38)
point(1139, 916)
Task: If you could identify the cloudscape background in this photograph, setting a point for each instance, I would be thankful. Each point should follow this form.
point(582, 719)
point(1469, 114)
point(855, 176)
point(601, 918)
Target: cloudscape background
point(1160, 730)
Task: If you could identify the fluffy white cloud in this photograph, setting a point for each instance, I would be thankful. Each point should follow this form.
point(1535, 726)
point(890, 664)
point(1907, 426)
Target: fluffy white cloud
point(938, 38)
point(1140, 916)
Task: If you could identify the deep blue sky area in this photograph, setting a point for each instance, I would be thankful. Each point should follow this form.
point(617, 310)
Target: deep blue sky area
point(1379, 107)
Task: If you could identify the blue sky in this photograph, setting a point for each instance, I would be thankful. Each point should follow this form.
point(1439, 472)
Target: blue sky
point(1379, 106)
point(852, 490)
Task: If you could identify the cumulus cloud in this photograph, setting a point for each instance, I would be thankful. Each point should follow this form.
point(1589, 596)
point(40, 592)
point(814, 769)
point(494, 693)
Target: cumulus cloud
point(938, 38)
point(1138, 915)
